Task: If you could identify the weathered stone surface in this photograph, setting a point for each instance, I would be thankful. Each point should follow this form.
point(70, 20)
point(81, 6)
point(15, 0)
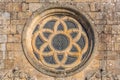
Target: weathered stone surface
point(3, 38)
point(14, 38)
point(1, 64)
point(109, 7)
point(108, 29)
point(92, 6)
point(108, 38)
point(2, 55)
point(99, 28)
point(17, 22)
point(14, 47)
point(24, 15)
point(18, 0)
point(12, 29)
point(83, 6)
point(13, 7)
point(19, 29)
point(111, 64)
point(99, 7)
point(116, 38)
point(1, 22)
point(92, 15)
point(110, 46)
point(25, 6)
point(11, 55)
point(109, 55)
point(117, 46)
point(100, 55)
point(102, 46)
point(117, 62)
point(77, 1)
point(6, 15)
point(14, 15)
point(18, 74)
point(4, 29)
point(34, 6)
point(105, 37)
point(32, 0)
point(5, 0)
point(117, 72)
point(100, 15)
point(117, 16)
point(8, 63)
point(100, 22)
point(117, 6)
point(2, 6)
point(17, 56)
point(5, 18)
point(115, 29)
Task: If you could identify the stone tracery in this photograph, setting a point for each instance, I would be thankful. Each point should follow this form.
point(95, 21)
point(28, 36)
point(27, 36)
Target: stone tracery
point(60, 42)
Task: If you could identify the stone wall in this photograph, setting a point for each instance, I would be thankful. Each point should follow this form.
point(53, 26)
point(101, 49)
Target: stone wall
point(105, 15)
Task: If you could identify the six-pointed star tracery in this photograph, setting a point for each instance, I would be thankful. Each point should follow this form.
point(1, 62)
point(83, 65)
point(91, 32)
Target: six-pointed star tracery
point(60, 47)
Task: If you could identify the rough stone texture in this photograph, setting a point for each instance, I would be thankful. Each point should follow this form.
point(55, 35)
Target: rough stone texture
point(14, 38)
point(105, 14)
point(14, 47)
point(32, 0)
point(34, 6)
point(3, 38)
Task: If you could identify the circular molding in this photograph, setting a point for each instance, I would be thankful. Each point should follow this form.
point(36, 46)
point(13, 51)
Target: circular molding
point(59, 41)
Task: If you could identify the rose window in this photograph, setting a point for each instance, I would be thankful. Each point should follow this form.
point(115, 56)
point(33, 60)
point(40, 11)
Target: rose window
point(58, 42)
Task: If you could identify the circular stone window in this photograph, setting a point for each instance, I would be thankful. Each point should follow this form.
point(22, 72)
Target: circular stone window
point(58, 41)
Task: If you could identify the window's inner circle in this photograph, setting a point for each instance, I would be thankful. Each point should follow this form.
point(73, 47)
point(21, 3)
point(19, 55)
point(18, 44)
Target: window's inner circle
point(60, 42)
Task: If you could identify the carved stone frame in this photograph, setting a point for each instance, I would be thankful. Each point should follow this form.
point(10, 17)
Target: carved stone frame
point(44, 11)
